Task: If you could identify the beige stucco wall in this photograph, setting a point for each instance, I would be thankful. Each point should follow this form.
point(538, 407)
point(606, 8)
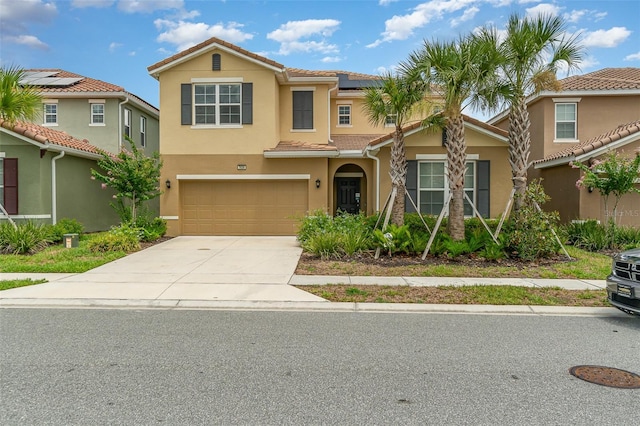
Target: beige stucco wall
point(320, 133)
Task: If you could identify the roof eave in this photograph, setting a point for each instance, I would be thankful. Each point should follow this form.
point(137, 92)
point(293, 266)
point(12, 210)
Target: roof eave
point(301, 154)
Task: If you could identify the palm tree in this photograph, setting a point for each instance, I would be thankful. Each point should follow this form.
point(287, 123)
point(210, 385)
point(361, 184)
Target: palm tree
point(456, 70)
point(17, 101)
point(395, 97)
point(533, 50)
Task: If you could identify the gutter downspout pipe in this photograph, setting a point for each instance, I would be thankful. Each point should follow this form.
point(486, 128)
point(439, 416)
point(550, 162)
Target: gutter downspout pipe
point(329, 111)
point(54, 204)
point(367, 152)
point(126, 99)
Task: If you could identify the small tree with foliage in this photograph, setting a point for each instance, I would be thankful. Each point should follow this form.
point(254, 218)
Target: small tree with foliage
point(616, 176)
point(134, 176)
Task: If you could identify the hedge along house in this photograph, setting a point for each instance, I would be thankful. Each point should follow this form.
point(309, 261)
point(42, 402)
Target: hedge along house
point(45, 175)
point(250, 146)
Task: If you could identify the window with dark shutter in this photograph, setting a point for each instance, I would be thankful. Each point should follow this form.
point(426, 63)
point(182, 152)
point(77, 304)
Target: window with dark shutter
point(303, 110)
point(247, 103)
point(216, 62)
point(411, 185)
point(185, 104)
point(483, 187)
point(10, 184)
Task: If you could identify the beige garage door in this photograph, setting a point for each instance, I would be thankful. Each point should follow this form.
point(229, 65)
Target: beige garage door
point(242, 207)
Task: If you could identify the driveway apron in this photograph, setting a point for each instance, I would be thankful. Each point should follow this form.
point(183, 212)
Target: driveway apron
point(188, 268)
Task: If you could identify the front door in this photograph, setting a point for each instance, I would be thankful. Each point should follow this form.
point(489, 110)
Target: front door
point(348, 194)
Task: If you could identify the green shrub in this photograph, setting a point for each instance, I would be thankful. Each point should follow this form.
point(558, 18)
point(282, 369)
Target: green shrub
point(65, 226)
point(394, 239)
point(587, 235)
point(123, 238)
point(150, 229)
point(492, 251)
point(315, 222)
point(25, 238)
point(323, 244)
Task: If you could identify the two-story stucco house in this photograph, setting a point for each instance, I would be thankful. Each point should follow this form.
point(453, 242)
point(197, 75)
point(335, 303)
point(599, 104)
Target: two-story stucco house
point(593, 114)
point(250, 146)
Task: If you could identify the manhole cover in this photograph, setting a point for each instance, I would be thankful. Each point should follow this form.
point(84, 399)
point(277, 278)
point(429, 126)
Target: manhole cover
point(606, 376)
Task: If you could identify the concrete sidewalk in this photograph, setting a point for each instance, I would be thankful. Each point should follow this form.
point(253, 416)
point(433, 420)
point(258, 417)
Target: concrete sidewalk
point(240, 273)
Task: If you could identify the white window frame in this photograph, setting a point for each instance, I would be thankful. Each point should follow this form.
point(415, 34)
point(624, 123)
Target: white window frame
point(46, 114)
point(471, 191)
point(556, 121)
point(216, 104)
point(143, 130)
point(127, 122)
point(344, 114)
point(94, 115)
point(390, 120)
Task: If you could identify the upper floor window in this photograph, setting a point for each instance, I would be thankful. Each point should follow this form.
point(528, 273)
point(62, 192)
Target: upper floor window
point(390, 120)
point(217, 104)
point(50, 114)
point(127, 122)
point(566, 121)
point(302, 110)
point(433, 187)
point(143, 131)
point(97, 113)
point(344, 115)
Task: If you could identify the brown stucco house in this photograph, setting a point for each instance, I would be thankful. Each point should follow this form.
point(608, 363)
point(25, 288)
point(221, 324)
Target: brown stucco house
point(592, 115)
point(250, 146)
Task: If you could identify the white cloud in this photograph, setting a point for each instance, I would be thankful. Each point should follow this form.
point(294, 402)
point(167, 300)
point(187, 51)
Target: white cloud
point(14, 15)
point(289, 36)
point(113, 46)
point(401, 27)
point(606, 38)
point(543, 9)
point(132, 53)
point(385, 2)
point(27, 40)
point(633, 57)
point(187, 34)
point(331, 59)
point(148, 6)
point(575, 15)
point(80, 4)
point(467, 15)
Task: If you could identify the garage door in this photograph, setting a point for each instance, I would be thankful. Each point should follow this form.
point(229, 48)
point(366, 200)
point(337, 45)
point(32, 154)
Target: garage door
point(242, 207)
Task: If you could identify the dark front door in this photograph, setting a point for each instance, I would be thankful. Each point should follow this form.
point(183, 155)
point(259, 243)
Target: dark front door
point(348, 194)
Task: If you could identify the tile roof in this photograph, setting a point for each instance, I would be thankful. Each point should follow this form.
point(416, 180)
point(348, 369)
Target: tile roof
point(85, 85)
point(353, 142)
point(604, 79)
point(47, 135)
point(301, 146)
point(592, 144)
point(212, 40)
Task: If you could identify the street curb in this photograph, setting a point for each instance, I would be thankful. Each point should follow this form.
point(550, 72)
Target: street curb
point(311, 307)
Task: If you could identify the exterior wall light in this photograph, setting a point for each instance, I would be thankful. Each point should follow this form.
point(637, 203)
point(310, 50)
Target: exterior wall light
point(317, 183)
point(168, 183)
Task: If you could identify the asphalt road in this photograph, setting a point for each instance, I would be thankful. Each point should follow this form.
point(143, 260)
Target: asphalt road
point(66, 367)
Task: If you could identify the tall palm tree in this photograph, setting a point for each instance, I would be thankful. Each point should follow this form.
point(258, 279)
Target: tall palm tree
point(455, 70)
point(17, 101)
point(397, 97)
point(533, 50)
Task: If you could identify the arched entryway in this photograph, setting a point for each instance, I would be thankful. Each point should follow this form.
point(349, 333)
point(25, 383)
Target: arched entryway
point(349, 188)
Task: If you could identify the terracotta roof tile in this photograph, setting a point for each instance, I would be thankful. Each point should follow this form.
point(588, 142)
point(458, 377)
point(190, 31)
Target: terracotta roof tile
point(592, 144)
point(301, 146)
point(46, 135)
point(353, 142)
point(604, 79)
point(213, 40)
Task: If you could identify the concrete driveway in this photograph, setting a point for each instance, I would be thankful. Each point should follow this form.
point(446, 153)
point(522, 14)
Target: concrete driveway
point(183, 269)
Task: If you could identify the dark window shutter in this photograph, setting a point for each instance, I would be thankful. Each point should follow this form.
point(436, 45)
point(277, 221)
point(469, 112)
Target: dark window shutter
point(247, 103)
point(411, 185)
point(216, 62)
point(185, 104)
point(444, 137)
point(11, 185)
point(483, 187)
point(303, 110)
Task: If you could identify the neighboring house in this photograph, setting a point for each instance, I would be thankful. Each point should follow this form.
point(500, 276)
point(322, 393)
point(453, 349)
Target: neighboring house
point(45, 175)
point(94, 110)
point(593, 114)
point(250, 146)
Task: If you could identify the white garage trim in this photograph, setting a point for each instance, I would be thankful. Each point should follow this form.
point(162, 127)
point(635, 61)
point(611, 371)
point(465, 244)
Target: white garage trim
point(243, 177)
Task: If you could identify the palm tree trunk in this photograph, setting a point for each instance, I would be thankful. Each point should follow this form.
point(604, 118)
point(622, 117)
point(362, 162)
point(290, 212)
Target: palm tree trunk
point(398, 174)
point(456, 160)
point(519, 149)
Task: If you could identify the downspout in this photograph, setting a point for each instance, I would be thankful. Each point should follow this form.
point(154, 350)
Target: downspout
point(54, 206)
point(329, 111)
point(126, 99)
point(367, 152)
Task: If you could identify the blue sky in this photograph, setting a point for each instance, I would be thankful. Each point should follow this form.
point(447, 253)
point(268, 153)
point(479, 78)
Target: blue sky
point(116, 40)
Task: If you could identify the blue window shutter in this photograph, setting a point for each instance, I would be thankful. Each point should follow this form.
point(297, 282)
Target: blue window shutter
point(247, 103)
point(216, 62)
point(411, 185)
point(185, 104)
point(483, 187)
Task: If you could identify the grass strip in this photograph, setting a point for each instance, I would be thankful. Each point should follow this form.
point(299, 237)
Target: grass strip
point(7, 284)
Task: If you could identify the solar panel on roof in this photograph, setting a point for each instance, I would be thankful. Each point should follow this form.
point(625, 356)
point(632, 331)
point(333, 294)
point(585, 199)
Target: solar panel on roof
point(53, 81)
point(39, 74)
